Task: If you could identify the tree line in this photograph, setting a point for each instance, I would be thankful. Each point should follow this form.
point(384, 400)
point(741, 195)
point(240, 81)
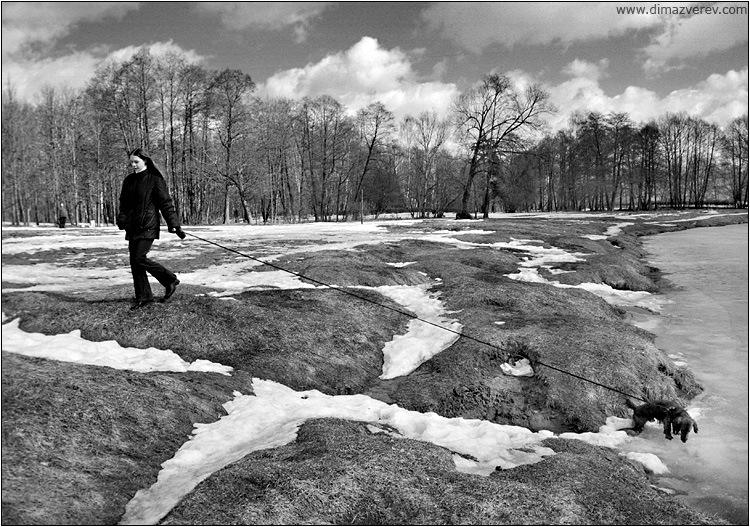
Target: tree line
point(228, 155)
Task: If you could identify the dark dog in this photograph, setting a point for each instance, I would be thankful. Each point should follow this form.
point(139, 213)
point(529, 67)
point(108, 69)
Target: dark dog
point(682, 423)
point(669, 413)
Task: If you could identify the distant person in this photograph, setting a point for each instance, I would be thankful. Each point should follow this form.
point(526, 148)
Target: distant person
point(62, 216)
point(144, 195)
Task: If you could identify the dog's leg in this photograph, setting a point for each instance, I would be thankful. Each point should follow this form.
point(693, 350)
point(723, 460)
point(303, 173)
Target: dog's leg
point(668, 428)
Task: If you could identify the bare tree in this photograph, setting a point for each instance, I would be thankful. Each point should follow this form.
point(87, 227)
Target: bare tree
point(323, 133)
point(704, 141)
point(647, 144)
point(673, 137)
point(494, 116)
point(19, 156)
point(168, 76)
point(194, 104)
point(426, 136)
point(229, 90)
point(277, 188)
point(375, 125)
point(735, 147)
point(620, 129)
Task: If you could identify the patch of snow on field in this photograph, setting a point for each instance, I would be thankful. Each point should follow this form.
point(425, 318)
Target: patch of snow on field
point(650, 462)
point(522, 368)
point(613, 230)
point(70, 347)
point(544, 256)
point(616, 297)
point(424, 338)
point(232, 279)
point(611, 434)
point(56, 239)
point(273, 415)
point(235, 278)
point(52, 277)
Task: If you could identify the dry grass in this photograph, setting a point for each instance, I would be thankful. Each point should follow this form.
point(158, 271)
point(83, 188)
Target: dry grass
point(78, 441)
point(338, 473)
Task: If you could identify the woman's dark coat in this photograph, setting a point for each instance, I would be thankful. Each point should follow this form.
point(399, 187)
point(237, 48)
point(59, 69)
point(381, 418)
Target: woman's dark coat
point(144, 195)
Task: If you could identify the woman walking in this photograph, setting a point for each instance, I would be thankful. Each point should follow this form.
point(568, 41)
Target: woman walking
point(62, 216)
point(144, 195)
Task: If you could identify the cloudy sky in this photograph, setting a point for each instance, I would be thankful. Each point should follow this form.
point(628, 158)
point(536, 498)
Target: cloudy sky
point(412, 56)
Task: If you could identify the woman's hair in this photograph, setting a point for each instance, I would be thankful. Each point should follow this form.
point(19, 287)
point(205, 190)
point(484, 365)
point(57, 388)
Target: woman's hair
point(150, 165)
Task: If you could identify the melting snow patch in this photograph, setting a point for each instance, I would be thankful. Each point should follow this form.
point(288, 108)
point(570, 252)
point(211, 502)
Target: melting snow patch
point(232, 279)
point(680, 364)
point(610, 434)
point(651, 463)
point(614, 296)
point(678, 359)
point(556, 271)
point(530, 275)
point(522, 368)
point(273, 415)
point(545, 256)
point(614, 230)
point(424, 338)
point(50, 277)
point(70, 347)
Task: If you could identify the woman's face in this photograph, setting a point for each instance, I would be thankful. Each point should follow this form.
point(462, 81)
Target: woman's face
point(138, 164)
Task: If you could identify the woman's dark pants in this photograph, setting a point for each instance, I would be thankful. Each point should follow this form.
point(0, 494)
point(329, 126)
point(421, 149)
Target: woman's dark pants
point(140, 265)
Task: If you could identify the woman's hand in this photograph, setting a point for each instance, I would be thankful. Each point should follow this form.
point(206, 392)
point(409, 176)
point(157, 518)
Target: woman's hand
point(178, 231)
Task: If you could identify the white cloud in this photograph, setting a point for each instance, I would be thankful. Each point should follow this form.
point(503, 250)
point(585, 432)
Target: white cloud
point(676, 37)
point(480, 24)
point(268, 15)
point(696, 36)
point(28, 77)
point(34, 24)
point(363, 74)
point(718, 99)
point(74, 70)
point(586, 70)
point(30, 29)
point(157, 49)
